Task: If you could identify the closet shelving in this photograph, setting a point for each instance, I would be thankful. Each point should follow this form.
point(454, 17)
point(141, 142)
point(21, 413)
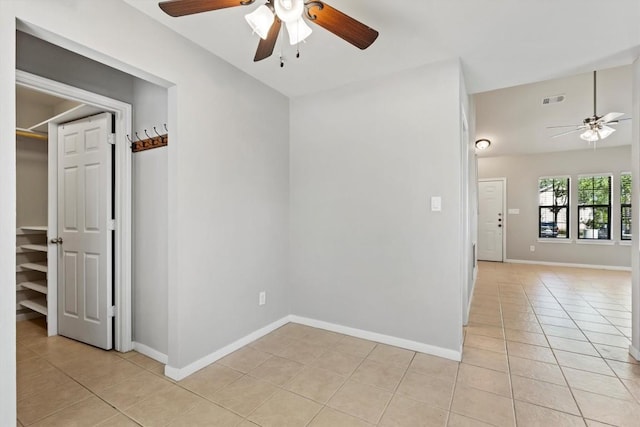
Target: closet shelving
point(31, 242)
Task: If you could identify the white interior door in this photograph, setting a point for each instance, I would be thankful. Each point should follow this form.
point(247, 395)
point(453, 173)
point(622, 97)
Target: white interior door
point(84, 232)
point(490, 220)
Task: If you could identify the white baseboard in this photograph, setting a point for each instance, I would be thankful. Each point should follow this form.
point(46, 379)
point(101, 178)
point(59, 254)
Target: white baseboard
point(565, 264)
point(180, 373)
point(471, 294)
point(634, 352)
point(381, 338)
point(150, 352)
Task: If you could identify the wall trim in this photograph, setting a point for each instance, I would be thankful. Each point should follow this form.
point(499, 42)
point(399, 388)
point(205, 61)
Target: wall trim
point(567, 264)
point(634, 352)
point(179, 373)
point(150, 352)
point(381, 338)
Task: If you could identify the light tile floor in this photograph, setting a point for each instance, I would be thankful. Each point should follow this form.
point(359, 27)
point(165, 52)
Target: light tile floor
point(544, 347)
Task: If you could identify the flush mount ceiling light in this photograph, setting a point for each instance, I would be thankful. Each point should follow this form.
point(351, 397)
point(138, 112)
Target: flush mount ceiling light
point(483, 144)
point(595, 127)
point(267, 19)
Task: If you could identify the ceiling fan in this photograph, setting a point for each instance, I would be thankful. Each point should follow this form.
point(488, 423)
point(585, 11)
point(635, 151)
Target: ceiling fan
point(595, 128)
point(267, 20)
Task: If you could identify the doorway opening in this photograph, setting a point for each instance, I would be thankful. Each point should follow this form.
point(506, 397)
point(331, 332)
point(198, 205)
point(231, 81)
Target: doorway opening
point(37, 220)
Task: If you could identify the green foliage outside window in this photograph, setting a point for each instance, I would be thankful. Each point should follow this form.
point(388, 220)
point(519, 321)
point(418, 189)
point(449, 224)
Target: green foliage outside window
point(625, 206)
point(594, 207)
point(553, 205)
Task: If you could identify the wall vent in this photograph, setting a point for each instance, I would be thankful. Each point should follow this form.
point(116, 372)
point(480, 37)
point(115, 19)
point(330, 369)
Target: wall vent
point(553, 99)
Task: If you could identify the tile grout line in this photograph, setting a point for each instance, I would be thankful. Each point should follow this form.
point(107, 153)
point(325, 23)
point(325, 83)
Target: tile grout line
point(575, 401)
point(506, 349)
point(82, 400)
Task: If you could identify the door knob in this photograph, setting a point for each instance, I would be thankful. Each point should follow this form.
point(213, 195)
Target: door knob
point(57, 241)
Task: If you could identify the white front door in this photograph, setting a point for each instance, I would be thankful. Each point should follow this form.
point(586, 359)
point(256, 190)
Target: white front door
point(490, 220)
point(84, 214)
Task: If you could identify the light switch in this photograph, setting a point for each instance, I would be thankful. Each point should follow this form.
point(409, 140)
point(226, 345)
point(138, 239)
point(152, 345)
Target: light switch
point(436, 203)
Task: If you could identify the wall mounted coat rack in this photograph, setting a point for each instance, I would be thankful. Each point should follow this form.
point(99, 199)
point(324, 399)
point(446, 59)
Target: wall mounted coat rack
point(150, 141)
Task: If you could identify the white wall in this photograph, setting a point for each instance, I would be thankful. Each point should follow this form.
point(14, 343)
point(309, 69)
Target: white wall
point(150, 221)
point(7, 218)
point(227, 173)
point(523, 172)
point(635, 247)
point(31, 170)
point(366, 251)
point(470, 159)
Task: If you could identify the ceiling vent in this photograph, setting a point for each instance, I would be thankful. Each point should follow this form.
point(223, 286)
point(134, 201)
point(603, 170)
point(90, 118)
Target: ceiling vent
point(553, 99)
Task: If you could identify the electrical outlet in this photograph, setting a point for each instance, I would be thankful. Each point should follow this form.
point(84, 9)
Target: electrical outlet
point(262, 298)
point(532, 248)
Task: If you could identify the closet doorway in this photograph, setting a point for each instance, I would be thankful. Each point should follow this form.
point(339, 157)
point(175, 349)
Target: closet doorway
point(73, 177)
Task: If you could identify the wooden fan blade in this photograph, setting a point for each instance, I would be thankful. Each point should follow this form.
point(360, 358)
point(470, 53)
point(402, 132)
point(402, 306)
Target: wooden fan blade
point(340, 24)
point(265, 47)
point(189, 7)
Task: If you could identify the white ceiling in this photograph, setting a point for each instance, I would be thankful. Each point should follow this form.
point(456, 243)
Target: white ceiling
point(515, 120)
point(31, 96)
point(501, 43)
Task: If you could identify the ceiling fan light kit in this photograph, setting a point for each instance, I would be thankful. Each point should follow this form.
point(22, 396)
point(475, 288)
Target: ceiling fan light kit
point(593, 135)
point(267, 19)
point(260, 21)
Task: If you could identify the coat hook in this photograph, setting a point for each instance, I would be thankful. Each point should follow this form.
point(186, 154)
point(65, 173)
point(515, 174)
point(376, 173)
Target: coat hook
point(154, 129)
point(129, 139)
point(145, 132)
point(137, 136)
point(165, 127)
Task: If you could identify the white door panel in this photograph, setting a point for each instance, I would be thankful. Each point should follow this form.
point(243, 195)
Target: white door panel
point(84, 203)
point(490, 220)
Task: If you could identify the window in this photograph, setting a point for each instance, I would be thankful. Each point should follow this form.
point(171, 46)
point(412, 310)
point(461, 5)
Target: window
point(594, 207)
point(625, 206)
point(553, 208)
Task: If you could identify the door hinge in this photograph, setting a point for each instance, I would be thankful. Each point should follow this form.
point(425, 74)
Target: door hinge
point(111, 224)
point(113, 310)
point(111, 138)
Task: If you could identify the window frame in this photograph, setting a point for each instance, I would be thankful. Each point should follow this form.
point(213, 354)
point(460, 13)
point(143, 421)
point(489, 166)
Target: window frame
point(608, 207)
point(567, 208)
point(626, 205)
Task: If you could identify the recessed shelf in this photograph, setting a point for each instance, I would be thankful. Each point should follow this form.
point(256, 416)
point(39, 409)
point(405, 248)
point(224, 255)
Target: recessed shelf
point(38, 304)
point(36, 248)
point(34, 228)
point(39, 286)
point(33, 266)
